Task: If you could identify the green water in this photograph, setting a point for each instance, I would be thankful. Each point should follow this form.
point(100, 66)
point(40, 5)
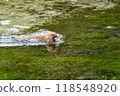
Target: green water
point(90, 49)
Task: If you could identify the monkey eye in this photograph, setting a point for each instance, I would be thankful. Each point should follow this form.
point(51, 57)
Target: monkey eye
point(55, 36)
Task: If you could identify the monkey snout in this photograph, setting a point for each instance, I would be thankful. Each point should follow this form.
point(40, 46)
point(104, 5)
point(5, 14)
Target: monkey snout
point(56, 39)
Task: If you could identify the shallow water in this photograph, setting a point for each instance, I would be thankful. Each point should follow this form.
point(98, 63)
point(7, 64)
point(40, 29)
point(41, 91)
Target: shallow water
point(10, 39)
point(17, 16)
point(91, 49)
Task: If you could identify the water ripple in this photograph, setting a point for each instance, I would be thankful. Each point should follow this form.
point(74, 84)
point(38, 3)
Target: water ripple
point(15, 39)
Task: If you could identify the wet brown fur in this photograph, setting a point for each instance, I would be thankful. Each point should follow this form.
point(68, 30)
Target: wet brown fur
point(44, 38)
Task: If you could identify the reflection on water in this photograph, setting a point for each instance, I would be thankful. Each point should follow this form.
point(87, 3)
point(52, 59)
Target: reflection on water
point(52, 47)
point(19, 15)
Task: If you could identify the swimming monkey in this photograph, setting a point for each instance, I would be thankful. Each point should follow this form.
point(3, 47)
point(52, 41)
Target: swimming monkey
point(51, 37)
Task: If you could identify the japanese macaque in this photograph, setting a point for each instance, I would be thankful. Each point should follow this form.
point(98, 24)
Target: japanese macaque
point(51, 37)
point(52, 47)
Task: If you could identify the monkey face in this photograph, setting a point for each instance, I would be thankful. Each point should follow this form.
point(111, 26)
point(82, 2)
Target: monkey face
point(55, 38)
point(52, 37)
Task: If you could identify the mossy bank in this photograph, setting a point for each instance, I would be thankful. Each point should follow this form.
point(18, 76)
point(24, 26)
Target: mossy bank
point(90, 49)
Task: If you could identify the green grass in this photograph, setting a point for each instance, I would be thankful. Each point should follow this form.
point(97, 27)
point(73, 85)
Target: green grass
point(89, 51)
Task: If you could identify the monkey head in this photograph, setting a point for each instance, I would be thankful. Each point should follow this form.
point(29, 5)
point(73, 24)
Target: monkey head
point(52, 37)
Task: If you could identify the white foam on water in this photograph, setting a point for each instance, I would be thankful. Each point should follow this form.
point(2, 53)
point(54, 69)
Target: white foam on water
point(15, 39)
point(110, 27)
point(18, 26)
point(9, 31)
point(6, 22)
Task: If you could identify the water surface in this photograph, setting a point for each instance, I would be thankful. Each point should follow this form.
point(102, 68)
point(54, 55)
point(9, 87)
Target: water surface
point(13, 38)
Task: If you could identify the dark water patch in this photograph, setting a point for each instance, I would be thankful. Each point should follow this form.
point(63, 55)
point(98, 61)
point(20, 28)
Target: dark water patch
point(113, 33)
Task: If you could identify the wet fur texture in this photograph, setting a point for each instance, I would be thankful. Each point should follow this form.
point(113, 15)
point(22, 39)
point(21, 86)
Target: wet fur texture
point(44, 38)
